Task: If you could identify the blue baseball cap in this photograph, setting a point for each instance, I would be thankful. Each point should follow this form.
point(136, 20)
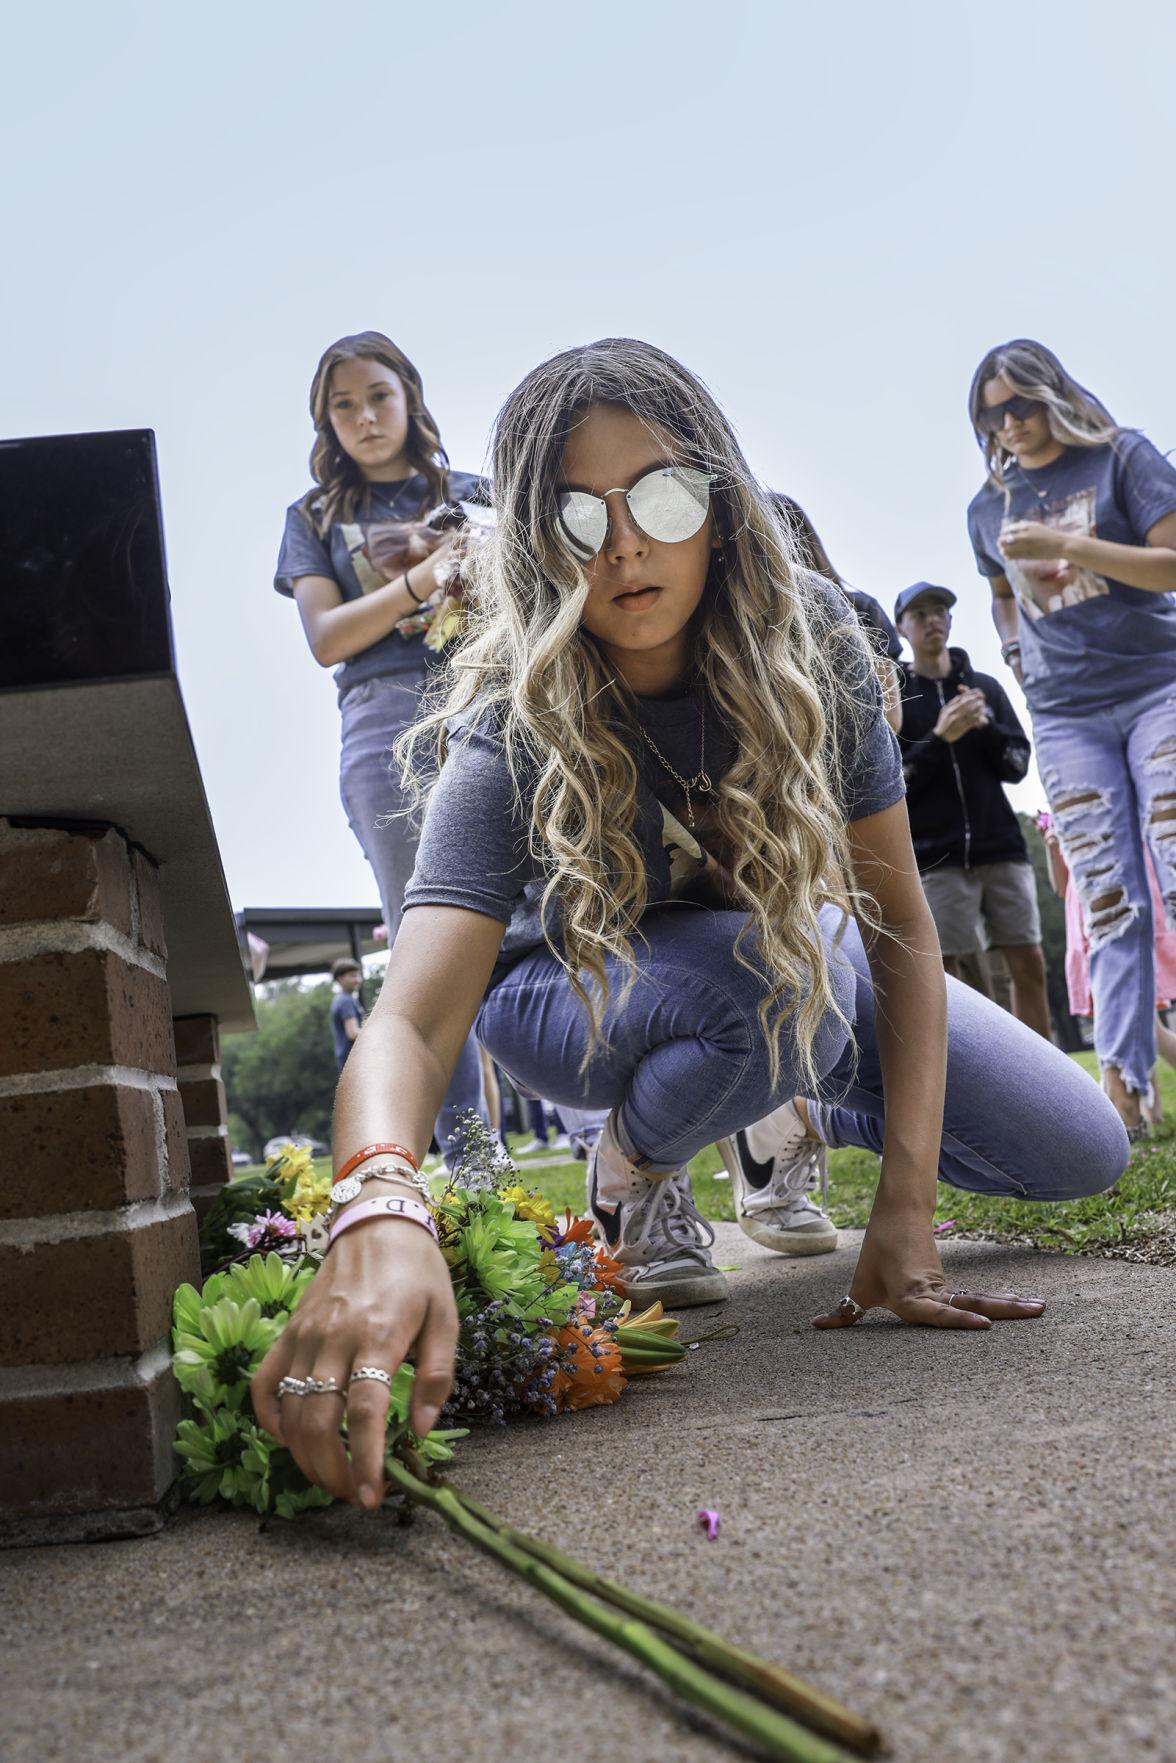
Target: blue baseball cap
point(920, 591)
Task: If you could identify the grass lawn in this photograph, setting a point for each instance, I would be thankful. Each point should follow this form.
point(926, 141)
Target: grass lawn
point(1136, 1221)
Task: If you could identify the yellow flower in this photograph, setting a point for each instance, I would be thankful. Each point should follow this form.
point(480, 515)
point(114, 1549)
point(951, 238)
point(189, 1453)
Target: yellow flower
point(295, 1160)
point(311, 1195)
point(548, 1266)
point(532, 1206)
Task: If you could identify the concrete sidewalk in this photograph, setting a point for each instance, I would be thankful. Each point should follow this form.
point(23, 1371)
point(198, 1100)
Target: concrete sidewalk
point(970, 1537)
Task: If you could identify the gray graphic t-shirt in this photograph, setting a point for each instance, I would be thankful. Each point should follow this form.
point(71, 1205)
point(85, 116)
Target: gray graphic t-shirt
point(349, 556)
point(1086, 640)
point(474, 850)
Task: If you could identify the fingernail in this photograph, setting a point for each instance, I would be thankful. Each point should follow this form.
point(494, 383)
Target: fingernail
point(428, 1420)
point(367, 1494)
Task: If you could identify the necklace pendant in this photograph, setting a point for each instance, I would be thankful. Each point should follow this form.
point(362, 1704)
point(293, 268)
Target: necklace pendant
point(705, 787)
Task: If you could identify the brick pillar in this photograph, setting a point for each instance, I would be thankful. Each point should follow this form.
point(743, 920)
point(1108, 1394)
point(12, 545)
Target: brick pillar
point(205, 1110)
point(96, 1227)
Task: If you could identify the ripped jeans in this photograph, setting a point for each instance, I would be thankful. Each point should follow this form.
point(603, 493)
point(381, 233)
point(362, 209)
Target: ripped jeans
point(1111, 782)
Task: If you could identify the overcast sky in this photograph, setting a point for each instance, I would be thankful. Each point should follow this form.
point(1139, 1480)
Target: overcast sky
point(830, 212)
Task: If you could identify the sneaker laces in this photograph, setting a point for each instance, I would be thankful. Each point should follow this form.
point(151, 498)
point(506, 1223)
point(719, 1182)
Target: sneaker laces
point(790, 1186)
point(667, 1224)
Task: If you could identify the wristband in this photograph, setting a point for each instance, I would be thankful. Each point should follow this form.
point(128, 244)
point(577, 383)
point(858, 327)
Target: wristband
point(377, 1151)
point(387, 1206)
point(1007, 649)
point(419, 598)
point(343, 1192)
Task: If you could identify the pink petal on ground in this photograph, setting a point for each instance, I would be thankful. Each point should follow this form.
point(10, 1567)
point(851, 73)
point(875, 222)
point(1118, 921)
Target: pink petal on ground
point(708, 1518)
point(946, 1225)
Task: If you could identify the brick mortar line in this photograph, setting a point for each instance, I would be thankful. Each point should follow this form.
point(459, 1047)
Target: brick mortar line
point(208, 1132)
point(83, 1376)
point(45, 1231)
point(82, 1077)
point(162, 1159)
point(191, 1074)
point(23, 942)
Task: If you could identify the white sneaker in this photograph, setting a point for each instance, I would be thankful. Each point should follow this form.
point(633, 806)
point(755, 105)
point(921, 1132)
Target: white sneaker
point(659, 1236)
point(773, 1165)
point(532, 1145)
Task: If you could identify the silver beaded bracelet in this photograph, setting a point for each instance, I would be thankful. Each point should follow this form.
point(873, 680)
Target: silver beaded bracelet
point(350, 1187)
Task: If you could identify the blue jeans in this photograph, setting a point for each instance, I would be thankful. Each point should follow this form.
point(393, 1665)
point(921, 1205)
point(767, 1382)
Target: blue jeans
point(685, 1063)
point(1111, 782)
point(374, 713)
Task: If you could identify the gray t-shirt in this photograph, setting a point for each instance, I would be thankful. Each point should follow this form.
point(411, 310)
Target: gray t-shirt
point(344, 557)
point(474, 845)
point(1090, 641)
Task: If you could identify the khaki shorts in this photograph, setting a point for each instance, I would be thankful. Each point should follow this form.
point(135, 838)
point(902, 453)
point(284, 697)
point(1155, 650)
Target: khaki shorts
point(994, 904)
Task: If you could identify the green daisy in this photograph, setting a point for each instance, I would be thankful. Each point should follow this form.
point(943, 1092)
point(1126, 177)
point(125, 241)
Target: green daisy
point(272, 1282)
point(214, 1452)
point(189, 1303)
point(232, 1342)
point(499, 1252)
point(277, 1483)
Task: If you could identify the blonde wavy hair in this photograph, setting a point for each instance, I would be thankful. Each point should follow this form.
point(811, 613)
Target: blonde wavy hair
point(340, 486)
point(1075, 416)
point(773, 655)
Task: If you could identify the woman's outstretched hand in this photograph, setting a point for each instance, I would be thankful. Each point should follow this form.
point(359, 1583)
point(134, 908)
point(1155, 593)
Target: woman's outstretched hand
point(898, 1270)
point(383, 1292)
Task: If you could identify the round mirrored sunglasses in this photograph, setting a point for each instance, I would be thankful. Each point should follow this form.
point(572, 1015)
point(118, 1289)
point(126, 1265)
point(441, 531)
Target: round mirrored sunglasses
point(668, 503)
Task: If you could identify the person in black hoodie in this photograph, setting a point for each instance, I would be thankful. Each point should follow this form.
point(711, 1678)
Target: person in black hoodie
point(961, 743)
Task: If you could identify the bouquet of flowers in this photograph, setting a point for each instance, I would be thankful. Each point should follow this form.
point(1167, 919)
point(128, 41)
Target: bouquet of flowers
point(544, 1328)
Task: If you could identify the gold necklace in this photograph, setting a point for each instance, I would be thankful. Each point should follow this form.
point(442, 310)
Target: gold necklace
point(1041, 495)
point(700, 782)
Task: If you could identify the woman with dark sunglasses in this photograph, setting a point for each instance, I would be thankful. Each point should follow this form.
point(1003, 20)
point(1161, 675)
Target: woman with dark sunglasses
point(666, 869)
point(1075, 528)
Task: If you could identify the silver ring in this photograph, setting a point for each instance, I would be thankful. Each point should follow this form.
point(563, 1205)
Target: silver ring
point(953, 1296)
point(291, 1386)
point(318, 1386)
point(851, 1308)
point(369, 1374)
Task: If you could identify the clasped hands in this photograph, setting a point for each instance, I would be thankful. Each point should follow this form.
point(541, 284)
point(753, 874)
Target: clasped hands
point(966, 711)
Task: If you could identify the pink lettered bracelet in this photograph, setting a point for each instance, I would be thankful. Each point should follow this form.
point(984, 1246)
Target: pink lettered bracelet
point(387, 1206)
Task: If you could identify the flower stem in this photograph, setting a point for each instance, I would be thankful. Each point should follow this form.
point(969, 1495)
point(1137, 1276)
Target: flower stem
point(781, 1737)
point(771, 1682)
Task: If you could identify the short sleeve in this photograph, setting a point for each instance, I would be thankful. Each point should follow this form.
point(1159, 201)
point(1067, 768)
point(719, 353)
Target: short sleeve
point(869, 761)
point(982, 530)
point(877, 626)
point(302, 553)
point(871, 776)
point(474, 849)
point(1145, 483)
